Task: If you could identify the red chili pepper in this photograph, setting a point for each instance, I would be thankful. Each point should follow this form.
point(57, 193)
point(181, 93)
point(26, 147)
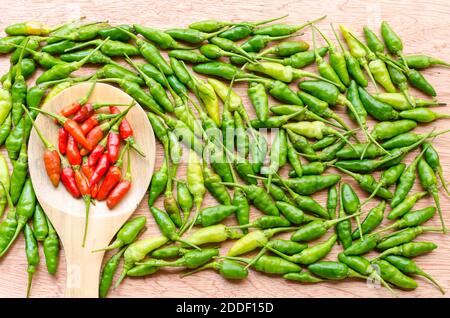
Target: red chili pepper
point(71, 127)
point(88, 110)
point(82, 182)
point(95, 154)
point(122, 188)
point(126, 131)
point(112, 177)
point(62, 140)
point(93, 121)
point(73, 153)
point(100, 170)
point(52, 164)
point(94, 191)
point(87, 170)
point(96, 134)
point(76, 106)
point(113, 144)
point(52, 160)
point(125, 128)
point(69, 182)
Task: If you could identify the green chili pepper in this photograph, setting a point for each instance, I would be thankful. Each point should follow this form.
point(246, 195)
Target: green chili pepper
point(8, 226)
point(428, 181)
point(408, 266)
point(316, 229)
point(108, 272)
point(33, 43)
point(313, 168)
point(7, 41)
point(156, 89)
point(189, 56)
point(392, 275)
point(350, 202)
point(19, 173)
point(212, 234)
point(115, 33)
point(32, 253)
point(286, 246)
point(191, 35)
point(422, 115)
point(191, 259)
point(227, 268)
point(333, 270)
point(288, 48)
point(118, 72)
point(411, 249)
point(127, 233)
point(412, 219)
point(253, 240)
point(344, 227)
point(270, 265)
point(51, 249)
point(5, 129)
point(431, 156)
point(86, 32)
point(157, 184)
point(40, 226)
point(373, 42)
point(284, 73)
point(58, 47)
point(389, 129)
point(137, 93)
point(96, 58)
point(46, 60)
point(307, 185)
point(151, 54)
point(423, 61)
point(325, 69)
point(391, 39)
point(297, 60)
point(379, 110)
point(367, 183)
point(403, 236)
point(372, 220)
point(5, 181)
point(305, 203)
point(259, 197)
point(215, 214)
point(278, 194)
point(311, 254)
point(161, 38)
point(400, 102)
point(169, 252)
point(259, 100)
point(243, 209)
point(137, 251)
point(303, 277)
point(293, 214)
point(267, 222)
point(388, 178)
point(18, 90)
point(319, 108)
point(61, 71)
point(405, 205)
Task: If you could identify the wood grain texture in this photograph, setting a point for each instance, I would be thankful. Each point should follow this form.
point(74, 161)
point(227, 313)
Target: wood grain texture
point(423, 26)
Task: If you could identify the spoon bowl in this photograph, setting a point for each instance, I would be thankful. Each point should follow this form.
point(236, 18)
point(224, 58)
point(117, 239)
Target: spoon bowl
point(67, 213)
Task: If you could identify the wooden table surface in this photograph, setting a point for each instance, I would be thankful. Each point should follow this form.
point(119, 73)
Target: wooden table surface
point(423, 26)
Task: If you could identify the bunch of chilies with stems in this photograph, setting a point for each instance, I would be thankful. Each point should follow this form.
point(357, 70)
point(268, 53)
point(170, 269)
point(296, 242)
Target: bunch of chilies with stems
point(227, 150)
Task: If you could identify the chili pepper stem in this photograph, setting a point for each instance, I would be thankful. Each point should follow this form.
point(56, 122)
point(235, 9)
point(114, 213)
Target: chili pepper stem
point(30, 279)
point(206, 266)
point(87, 203)
point(257, 257)
point(44, 140)
point(432, 280)
point(85, 98)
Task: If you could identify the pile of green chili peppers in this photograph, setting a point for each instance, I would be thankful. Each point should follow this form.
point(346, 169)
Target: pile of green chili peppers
point(229, 154)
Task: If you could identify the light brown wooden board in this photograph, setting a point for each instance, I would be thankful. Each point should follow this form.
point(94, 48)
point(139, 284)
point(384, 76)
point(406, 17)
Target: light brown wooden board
point(423, 26)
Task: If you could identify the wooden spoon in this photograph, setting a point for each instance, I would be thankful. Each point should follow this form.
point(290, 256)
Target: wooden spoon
point(67, 213)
